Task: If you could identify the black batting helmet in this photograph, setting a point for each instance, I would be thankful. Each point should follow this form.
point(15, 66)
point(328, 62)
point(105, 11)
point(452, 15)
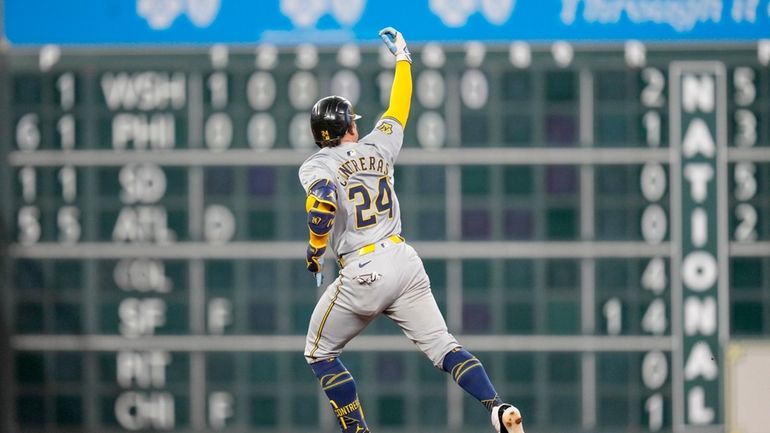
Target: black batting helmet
point(330, 119)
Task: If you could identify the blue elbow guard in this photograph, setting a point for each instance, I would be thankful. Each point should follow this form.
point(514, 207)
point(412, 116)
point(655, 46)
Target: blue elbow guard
point(323, 191)
point(320, 221)
point(321, 218)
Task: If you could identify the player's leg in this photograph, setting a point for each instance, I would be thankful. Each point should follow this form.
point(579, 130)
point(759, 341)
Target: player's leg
point(340, 388)
point(422, 322)
point(418, 315)
point(467, 371)
point(332, 325)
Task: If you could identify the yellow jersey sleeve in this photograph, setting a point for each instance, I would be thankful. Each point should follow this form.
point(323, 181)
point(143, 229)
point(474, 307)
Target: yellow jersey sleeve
point(400, 93)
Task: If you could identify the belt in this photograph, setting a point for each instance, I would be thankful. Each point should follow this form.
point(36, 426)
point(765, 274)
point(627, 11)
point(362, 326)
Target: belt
point(368, 249)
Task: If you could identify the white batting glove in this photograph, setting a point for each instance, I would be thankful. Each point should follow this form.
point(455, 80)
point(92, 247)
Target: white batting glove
point(395, 42)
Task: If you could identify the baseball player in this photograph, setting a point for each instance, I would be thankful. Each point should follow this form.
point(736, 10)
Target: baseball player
point(353, 209)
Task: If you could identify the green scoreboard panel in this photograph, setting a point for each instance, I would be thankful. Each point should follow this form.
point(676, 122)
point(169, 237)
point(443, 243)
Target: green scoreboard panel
point(595, 223)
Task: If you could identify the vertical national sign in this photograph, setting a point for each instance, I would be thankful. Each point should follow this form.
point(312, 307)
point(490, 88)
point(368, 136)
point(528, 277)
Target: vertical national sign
point(699, 268)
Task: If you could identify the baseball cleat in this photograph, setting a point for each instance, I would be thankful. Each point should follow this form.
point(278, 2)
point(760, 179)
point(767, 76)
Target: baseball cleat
point(506, 419)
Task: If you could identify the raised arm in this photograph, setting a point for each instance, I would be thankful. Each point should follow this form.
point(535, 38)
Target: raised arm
point(401, 92)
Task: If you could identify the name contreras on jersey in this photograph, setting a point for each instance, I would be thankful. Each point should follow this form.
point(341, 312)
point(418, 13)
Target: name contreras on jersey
point(364, 163)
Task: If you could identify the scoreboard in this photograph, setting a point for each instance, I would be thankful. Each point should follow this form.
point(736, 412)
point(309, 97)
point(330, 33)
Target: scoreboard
point(595, 223)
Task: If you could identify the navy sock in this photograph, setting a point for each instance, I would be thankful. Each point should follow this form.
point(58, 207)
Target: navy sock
point(468, 372)
point(339, 386)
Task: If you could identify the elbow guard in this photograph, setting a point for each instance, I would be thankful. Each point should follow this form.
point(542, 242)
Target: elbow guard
point(320, 222)
point(320, 207)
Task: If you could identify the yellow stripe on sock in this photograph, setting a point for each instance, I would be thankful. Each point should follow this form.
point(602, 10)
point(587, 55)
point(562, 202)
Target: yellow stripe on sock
point(460, 367)
point(457, 379)
point(338, 383)
point(330, 378)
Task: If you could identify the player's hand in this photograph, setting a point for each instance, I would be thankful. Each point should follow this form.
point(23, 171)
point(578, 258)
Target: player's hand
point(314, 259)
point(395, 42)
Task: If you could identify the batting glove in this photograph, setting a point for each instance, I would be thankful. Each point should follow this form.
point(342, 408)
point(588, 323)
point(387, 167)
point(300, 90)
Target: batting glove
point(314, 259)
point(395, 42)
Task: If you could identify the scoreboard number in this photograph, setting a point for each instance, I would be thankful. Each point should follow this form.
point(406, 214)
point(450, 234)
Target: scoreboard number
point(65, 84)
point(654, 320)
point(654, 276)
point(346, 83)
point(300, 136)
point(745, 90)
point(221, 405)
point(303, 90)
point(65, 127)
point(261, 90)
point(651, 123)
point(430, 88)
point(745, 181)
point(384, 84)
point(653, 181)
point(219, 315)
point(654, 369)
point(613, 313)
point(747, 218)
point(29, 225)
point(68, 182)
point(655, 82)
point(68, 221)
point(218, 224)
point(746, 128)
point(654, 406)
point(654, 224)
point(431, 130)
point(218, 87)
point(474, 89)
point(261, 131)
point(218, 132)
point(28, 132)
point(746, 215)
point(28, 181)
point(654, 185)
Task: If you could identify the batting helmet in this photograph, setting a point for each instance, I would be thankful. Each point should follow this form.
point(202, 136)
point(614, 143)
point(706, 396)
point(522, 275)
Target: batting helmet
point(330, 119)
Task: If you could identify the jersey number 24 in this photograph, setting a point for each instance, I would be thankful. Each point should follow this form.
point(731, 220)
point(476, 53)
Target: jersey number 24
point(362, 198)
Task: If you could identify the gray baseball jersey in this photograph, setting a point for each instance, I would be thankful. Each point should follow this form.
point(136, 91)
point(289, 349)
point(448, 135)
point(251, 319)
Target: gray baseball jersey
point(387, 279)
point(367, 206)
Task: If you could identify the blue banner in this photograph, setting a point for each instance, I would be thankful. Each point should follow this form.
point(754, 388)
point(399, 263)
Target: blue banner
point(339, 21)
